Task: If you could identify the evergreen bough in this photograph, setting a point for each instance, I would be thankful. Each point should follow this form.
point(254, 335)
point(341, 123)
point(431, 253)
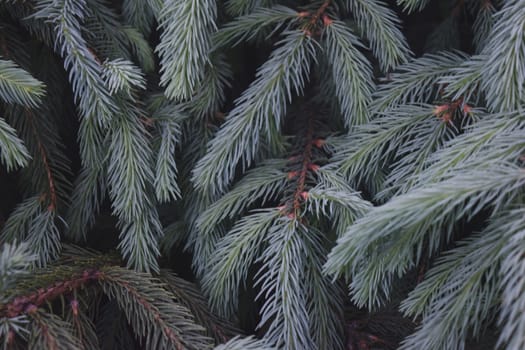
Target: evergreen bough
point(135, 128)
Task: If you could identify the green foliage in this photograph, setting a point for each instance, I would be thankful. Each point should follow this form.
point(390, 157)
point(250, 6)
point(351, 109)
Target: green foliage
point(151, 311)
point(354, 89)
point(184, 44)
point(18, 86)
point(380, 25)
point(503, 73)
point(15, 260)
point(53, 310)
point(258, 111)
point(14, 153)
point(269, 151)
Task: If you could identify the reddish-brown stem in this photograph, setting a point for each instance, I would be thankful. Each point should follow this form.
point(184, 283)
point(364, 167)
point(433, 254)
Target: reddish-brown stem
point(52, 191)
point(303, 172)
point(26, 303)
point(45, 161)
point(320, 11)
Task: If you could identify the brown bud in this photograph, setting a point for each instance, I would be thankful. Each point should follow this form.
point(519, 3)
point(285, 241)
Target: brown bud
point(327, 21)
point(303, 14)
point(467, 109)
point(313, 167)
point(292, 174)
point(438, 110)
point(319, 143)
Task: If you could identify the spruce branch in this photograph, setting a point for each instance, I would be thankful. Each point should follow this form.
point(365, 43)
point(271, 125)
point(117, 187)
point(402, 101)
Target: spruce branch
point(325, 299)
point(411, 158)
point(12, 327)
point(464, 80)
point(122, 75)
point(15, 260)
point(48, 331)
point(233, 256)
point(129, 177)
point(341, 205)
point(43, 236)
point(503, 73)
point(458, 293)
point(483, 23)
point(260, 109)
point(36, 225)
point(187, 294)
point(285, 308)
point(93, 138)
point(417, 81)
point(151, 311)
point(129, 170)
point(250, 239)
point(18, 86)
point(93, 98)
point(113, 40)
point(248, 27)
point(380, 25)
point(465, 194)
point(140, 48)
point(212, 92)
point(18, 222)
point(184, 45)
point(139, 240)
point(352, 73)
point(49, 171)
point(166, 187)
point(24, 304)
point(46, 162)
point(83, 327)
point(491, 140)
point(89, 191)
point(256, 190)
point(261, 184)
point(512, 225)
point(305, 165)
point(13, 152)
point(158, 317)
point(372, 145)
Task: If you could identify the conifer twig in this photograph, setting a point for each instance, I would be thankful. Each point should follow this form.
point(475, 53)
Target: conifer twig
point(306, 165)
point(45, 161)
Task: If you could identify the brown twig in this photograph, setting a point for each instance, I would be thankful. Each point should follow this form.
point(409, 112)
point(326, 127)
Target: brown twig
point(45, 160)
point(310, 27)
point(301, 180)
point(27, 303)
point(300, 195)
point(320, 11)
